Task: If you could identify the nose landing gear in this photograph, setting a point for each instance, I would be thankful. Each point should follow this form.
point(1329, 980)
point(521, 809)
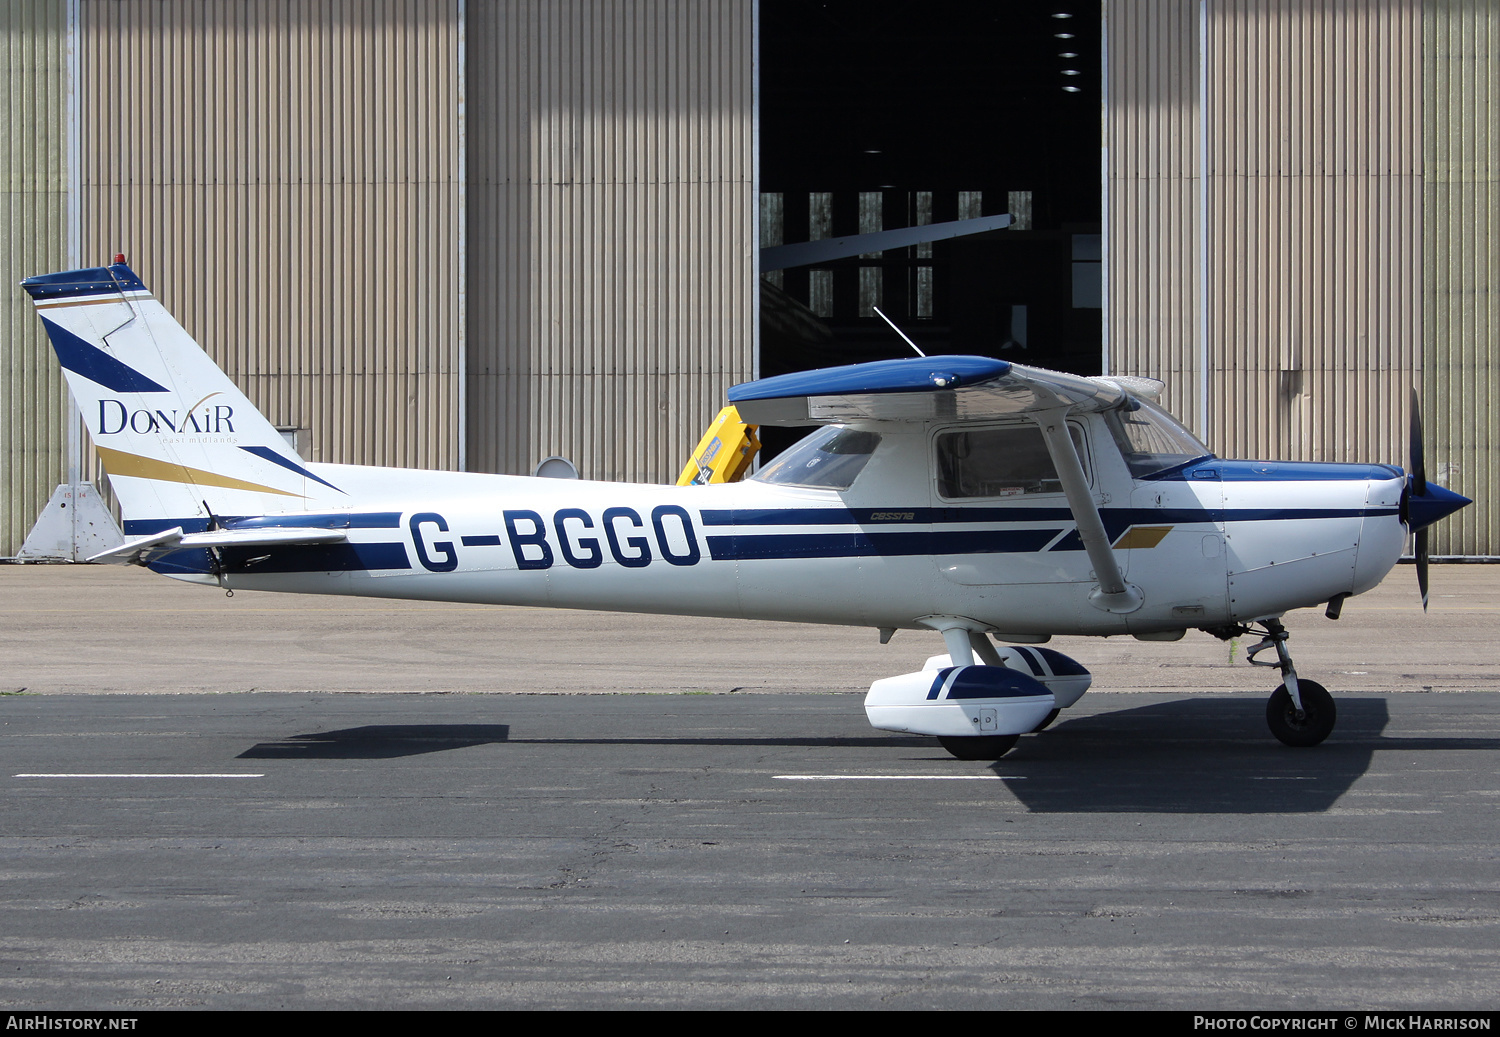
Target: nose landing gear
point(1300, 712)
point(1301, 727)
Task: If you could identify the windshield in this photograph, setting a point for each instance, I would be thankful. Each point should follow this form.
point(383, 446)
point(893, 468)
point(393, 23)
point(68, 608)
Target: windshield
point(1150, 439)
point(829, 459)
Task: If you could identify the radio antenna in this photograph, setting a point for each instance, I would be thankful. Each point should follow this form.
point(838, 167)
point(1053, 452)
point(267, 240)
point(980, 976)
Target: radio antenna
point(898, 331)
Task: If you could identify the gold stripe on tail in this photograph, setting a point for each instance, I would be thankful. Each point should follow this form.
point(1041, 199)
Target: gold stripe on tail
point(120, 463)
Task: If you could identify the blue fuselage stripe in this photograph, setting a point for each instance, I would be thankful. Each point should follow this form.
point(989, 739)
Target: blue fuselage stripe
point(296, 558)
point(861, 545)
point(865, 543)
point(1117, 518)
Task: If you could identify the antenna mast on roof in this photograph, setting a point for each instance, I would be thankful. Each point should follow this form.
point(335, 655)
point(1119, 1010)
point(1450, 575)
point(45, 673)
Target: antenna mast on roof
point(897, 330)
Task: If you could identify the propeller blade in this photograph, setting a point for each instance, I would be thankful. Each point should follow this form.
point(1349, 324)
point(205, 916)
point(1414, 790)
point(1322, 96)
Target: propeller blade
point(1421, 549)
point(1418, 488)
point(1418, 454)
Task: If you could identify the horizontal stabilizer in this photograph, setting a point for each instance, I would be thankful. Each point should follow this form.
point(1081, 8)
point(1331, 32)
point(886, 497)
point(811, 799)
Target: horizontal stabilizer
point(139, 552)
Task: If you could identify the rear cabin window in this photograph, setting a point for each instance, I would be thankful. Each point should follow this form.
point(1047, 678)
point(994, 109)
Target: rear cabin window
point(829, 459)
point(1011, 461)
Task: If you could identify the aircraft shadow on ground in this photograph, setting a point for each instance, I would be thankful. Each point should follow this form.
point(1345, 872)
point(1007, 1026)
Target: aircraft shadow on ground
point(1193, 755)
point(378, 742)
point(1200, 756)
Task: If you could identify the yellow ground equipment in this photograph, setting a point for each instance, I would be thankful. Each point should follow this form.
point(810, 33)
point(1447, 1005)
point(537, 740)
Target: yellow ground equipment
point(724, 453)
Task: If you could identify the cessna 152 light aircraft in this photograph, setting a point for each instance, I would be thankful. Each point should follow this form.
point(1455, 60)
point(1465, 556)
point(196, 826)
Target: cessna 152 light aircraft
point(960, 494)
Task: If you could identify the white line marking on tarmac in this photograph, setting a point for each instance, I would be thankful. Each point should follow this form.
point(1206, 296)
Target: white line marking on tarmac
point(899, 777)
point(138, 775)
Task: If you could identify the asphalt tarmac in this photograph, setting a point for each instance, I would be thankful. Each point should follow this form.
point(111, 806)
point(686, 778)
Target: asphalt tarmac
point(347, 804)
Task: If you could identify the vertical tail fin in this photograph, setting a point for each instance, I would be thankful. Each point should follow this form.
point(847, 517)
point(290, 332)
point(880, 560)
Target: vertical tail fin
point(177, 437)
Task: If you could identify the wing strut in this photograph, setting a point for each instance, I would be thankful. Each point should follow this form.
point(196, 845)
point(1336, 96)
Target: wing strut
point(1112, 594)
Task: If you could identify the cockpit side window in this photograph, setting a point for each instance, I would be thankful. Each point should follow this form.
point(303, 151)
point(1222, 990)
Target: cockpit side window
point(1009, 461)
point(829, 459)
point(1150, 439)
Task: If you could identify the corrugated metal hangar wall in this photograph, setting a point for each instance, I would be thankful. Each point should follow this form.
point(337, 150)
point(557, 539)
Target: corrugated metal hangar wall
point(33, 236)
point(472, 234)
point(287, 179)
point(611, 218)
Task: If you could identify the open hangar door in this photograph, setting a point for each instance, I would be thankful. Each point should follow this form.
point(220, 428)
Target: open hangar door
point(883, 115)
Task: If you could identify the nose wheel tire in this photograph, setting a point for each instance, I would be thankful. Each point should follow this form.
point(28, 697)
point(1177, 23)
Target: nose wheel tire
point(1316, 722)
point(983, 747)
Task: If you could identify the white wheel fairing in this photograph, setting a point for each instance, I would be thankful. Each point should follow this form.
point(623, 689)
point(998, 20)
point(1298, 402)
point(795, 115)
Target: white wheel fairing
point(1063, 675)
point(960, 701)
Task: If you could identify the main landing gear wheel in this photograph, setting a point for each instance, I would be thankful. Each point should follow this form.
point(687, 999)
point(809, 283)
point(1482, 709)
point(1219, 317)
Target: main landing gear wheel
point(1316, 721)
point(981, 747)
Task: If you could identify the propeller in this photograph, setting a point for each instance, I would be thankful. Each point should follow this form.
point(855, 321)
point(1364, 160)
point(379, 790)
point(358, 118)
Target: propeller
point(1418, 488)
point(1423, 504)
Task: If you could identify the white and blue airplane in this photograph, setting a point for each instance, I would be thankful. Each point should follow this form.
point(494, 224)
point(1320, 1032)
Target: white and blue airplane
point(959, 494)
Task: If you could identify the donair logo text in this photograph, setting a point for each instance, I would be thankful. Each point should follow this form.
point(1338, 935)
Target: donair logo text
point(115, 417)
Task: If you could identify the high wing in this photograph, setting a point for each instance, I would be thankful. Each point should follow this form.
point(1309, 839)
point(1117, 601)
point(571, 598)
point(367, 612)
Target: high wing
point(961, 388)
